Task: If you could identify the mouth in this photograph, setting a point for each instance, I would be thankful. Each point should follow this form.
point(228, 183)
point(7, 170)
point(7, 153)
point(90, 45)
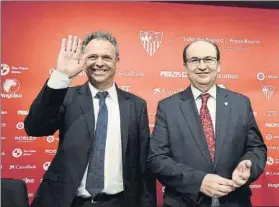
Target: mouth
point(205, 73)
point(99, 71)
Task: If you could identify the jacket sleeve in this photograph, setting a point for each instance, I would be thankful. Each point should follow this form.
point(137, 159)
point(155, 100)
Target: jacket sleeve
point(46, 112)
point(256, 150)
point(148, 181)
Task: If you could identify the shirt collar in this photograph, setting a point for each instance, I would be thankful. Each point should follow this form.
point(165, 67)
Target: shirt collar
point(196, 92)
point(112, 93)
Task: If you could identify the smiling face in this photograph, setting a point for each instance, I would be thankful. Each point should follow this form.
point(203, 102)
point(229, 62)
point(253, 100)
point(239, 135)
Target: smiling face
point(202, 65)
point(101, 63)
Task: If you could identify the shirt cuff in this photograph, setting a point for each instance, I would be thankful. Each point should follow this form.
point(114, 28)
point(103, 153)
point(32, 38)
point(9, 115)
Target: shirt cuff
point(58, 80)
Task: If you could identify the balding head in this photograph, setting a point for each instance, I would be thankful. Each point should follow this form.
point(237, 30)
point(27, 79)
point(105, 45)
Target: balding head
point(200, 43)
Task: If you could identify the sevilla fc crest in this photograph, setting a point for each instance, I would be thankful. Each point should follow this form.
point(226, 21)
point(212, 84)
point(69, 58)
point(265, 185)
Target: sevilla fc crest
point(268, 91)
point(151, 41)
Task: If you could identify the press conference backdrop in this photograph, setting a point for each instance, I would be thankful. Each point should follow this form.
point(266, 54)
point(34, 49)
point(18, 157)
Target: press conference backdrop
point(151, 39)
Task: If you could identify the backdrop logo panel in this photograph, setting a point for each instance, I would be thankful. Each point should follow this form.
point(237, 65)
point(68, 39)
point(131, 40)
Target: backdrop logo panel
point(150, 66)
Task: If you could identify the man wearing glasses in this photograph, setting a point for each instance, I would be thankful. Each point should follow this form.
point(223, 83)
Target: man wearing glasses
point(206, 147)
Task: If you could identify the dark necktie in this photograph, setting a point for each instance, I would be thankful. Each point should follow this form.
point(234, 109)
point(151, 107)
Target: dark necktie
point(207, 125)
point(95, 175)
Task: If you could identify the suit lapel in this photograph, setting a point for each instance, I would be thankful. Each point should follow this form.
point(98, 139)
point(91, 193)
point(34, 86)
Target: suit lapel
point(191, 115)
point(124, 107)
point(86, 105)
point(222, 117)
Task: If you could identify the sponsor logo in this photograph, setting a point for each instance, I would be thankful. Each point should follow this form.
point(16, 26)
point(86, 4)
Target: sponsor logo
point(151, 41)
point(221, 85)
point(126, 88)
point(20, 125)
point(268, 91)
point(172, 74)
point(50, 151)
point(227, 76)
point(262, 76)
point(166, 91)
point(22, 167)
point(272, 161)
point(271, 173)
point(22, 112)
point(3, 112)
point(5, 69)
point(271, 125)
point(272, 148)
point(30, 195)
point(2, 138)
point(152, 118)
point(10, 87)
point(46, 165)
point(273, 185)
point(17, 152)
point(255, 186)
point(130, 73)
point(28, 180)
point(50, 139)
point(25, 138)
point(272, 113)
point(270, 136)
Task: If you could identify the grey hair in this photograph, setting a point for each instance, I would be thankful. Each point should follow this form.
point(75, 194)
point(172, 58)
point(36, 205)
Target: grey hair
point(101, 35)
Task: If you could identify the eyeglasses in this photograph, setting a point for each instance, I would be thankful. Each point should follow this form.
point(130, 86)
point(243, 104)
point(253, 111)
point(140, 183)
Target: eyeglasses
point(208, 61)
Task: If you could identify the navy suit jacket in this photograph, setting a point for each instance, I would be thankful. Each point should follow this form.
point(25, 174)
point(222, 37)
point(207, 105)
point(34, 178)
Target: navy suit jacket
point(71, 112)
point(179, 155)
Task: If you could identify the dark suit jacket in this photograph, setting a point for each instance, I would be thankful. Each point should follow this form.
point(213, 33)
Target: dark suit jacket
point(13, 193)
point(71, 112)
point(179, 156)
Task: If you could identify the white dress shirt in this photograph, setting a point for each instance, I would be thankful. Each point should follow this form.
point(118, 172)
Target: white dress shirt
point(211, 103)
point(113, 178)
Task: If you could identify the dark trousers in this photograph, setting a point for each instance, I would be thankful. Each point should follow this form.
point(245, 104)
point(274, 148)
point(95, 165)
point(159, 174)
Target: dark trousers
point(227, 205)
point(110, 201)
point(208, 204)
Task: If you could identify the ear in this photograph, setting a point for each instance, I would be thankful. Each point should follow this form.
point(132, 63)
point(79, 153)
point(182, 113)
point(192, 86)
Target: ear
point(117, 64)
point(218, 67)
point(185, 68)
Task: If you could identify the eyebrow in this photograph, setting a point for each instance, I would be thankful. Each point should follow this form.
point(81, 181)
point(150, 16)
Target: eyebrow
point(202, 57)
point(104, 55)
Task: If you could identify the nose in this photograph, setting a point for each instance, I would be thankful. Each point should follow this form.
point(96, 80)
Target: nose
point(202, 65)
point(99, 62)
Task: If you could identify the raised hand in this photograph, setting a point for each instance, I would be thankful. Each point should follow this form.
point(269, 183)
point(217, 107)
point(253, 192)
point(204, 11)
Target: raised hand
point(71, 60)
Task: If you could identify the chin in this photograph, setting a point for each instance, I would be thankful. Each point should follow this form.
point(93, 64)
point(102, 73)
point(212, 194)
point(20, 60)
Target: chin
point(204, 82)
point(98, 78)
point(100, 81)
